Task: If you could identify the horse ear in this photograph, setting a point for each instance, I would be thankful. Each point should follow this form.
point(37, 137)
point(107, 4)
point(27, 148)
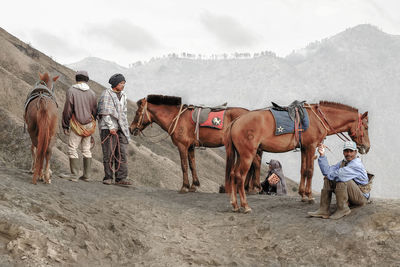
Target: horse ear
point(40, 76)
point(365, 115)
point(56, 78)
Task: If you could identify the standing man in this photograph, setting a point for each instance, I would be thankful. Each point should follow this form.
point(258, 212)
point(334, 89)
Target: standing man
point(79, 122)
point(348, 179)
point(114, 132)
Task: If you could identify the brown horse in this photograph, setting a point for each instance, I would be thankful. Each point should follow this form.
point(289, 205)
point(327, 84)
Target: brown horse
point(256, 129)
point(175, 118)
point(41, 118)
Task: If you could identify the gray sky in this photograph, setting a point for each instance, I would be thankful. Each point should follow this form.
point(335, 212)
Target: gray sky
point(125, 31)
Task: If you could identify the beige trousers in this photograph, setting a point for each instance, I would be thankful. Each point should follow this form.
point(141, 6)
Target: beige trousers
point(356, 197)
point(75, 140)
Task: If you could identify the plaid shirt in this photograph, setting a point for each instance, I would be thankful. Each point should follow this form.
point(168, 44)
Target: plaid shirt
point(110, 105)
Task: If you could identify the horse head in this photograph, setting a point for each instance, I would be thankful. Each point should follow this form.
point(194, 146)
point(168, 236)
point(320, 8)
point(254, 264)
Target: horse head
point(48, 82)
point(359, 133)
point(142, 118)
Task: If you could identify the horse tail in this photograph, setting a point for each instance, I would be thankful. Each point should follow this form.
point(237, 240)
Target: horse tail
point(43, 126)
point(230, 159)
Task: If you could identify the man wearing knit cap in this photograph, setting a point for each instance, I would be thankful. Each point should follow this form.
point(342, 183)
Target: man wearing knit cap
point(78, 121)
point(348, 179)
point(114, 132)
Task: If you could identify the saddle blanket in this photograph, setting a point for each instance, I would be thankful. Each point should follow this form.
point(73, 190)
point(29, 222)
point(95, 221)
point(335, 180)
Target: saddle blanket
point(214, 120)
point(284, 124)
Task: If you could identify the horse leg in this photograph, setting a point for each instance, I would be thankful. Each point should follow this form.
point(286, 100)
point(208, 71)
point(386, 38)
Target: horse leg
point(256, 165)
point(33, 154)
point(47, 171)
point(234, 189)
point(192, 165)
point(310, 172)
point(235, 206)
point(303, 176)
point(183, 152)
point(240, 175)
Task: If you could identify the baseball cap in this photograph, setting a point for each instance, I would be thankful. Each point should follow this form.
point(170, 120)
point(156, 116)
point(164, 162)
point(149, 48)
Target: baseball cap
point(349, 145)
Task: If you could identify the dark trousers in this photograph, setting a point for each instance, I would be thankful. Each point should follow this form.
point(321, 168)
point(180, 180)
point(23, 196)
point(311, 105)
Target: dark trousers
point(114, 155)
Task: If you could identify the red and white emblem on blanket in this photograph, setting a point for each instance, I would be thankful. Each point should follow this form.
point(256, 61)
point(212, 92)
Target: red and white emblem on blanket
point(214, 120)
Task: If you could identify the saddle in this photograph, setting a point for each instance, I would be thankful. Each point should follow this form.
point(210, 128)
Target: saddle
point(297, 114)
point(205, 112)
point(201, 114)
point(39, 90)
point(291, 109)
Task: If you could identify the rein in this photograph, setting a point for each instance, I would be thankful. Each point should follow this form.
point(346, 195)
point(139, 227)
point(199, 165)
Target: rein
point(112, 156)
point(340, 135)
point(328, 126)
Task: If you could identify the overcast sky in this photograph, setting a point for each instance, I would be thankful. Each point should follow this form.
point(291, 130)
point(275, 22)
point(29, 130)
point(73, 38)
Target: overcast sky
point(132, 30)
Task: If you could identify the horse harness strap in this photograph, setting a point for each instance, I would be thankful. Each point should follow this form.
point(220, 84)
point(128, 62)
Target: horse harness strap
point(323, 124)
point(40, 90)
point(340, 135)
point(197, 130)
point(176, 120)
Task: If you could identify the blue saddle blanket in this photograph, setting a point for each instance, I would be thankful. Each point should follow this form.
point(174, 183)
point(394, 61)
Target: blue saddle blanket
point(284, 124)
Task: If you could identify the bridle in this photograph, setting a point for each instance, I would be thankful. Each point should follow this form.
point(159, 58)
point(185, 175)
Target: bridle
point(355, 134)
point(145, 112)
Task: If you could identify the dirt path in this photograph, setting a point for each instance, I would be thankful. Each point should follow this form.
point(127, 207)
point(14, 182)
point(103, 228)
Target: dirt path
point(92, 224)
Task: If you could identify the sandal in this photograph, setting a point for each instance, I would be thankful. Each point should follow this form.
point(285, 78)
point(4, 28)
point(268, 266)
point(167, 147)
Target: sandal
point(83, 178)
point(123, 182)
point(107, 181)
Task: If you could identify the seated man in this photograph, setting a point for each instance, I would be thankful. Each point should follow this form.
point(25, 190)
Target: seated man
point(275, 180)
point(346, 179)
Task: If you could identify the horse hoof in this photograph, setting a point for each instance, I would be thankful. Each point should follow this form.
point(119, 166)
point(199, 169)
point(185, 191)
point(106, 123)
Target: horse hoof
point(247, 210)
point(311, 200)
point(304, 199)
point(183, 190)
point(235, 209)
point(193, 189)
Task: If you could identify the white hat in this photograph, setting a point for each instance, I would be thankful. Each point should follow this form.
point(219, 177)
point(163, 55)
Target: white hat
point(349, 145)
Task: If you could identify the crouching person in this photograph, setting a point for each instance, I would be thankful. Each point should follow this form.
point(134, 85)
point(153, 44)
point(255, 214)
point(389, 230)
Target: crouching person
point(114, 132)
point(348, 179)
point(274, 183)
point(80, 110)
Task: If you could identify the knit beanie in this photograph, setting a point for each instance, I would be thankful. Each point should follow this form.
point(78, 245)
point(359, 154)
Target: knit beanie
point(116, 79)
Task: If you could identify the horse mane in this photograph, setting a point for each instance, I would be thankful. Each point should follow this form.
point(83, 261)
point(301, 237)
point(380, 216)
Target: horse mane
point(338, 105)
point(139, 102)
point(164, 100)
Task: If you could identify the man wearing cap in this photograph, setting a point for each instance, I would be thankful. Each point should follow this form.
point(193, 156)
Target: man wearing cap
point(114, 131)
point(345, 179)
point(79, 122)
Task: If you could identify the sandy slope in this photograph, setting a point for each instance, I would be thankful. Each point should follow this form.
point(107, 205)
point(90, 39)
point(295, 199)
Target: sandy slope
point(68, 223)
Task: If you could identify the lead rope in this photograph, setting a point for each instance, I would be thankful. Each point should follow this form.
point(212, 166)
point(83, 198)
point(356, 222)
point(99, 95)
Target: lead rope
point(112, 156)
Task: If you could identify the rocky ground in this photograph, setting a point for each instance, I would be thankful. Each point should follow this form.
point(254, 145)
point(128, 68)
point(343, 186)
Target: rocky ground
point(86, 224)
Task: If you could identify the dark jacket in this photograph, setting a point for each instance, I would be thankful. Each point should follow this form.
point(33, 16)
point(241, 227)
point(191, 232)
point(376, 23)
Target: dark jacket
point(80, 101)
point(280, 187)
